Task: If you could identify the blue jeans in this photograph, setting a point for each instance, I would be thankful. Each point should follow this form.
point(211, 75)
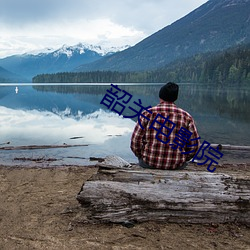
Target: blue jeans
point(145, 165)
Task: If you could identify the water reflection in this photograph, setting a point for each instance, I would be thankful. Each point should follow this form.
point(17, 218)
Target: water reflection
point(52, 114)
point(221, 113)
point(225, 101)
point(100, 131)
point(44, 127)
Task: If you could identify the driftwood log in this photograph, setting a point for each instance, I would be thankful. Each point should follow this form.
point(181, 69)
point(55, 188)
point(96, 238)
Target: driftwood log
point(30, 147)
point(136, 195)
point(230, 147)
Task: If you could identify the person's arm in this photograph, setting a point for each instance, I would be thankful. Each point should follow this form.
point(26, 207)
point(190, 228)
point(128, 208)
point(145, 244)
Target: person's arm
point(194, 143)
point(138, 136)
point(137, 140)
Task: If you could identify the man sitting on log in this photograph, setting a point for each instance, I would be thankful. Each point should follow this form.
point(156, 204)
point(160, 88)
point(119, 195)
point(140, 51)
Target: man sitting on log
point(165, 136)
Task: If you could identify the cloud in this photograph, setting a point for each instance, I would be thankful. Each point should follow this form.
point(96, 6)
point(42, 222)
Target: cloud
point(33, 127)
point(38, 36)
point(37, 23)
point(22, 12)
point(142, 14)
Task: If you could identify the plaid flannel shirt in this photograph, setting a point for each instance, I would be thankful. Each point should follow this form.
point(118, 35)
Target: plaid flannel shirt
point(155, 153)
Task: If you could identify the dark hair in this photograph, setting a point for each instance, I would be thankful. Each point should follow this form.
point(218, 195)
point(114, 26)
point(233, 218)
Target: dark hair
point(169, 92)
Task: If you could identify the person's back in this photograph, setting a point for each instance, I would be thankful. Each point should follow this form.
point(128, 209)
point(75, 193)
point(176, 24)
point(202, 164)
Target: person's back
point(166, 134)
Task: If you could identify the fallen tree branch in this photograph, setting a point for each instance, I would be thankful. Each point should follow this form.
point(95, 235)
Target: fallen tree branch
point(230, 147)
point(41, 159)
point(29, 147)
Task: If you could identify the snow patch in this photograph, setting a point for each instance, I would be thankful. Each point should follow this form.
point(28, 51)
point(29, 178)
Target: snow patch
point(81, 48)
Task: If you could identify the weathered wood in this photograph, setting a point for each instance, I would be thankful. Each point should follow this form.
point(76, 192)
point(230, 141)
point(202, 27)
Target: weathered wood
point(29, 147)
point(119, 195)
point(39, 159)
point(230, 147)
point(114, 161)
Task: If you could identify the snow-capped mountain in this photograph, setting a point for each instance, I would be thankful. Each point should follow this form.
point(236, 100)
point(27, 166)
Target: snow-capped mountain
point(214, 26)
point(81, 48)
point(49, 60)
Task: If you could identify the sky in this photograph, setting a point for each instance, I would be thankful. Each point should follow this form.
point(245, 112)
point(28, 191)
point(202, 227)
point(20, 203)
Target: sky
point(32, 25)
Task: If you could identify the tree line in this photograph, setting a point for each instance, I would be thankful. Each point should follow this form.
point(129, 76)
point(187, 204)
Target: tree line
point(229, 66)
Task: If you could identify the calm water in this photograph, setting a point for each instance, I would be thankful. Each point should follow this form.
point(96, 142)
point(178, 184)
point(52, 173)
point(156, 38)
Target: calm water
point(72, 114)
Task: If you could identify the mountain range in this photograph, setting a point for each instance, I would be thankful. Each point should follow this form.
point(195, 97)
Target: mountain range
point(64, 59)
point(214, 26)
point(7, 76)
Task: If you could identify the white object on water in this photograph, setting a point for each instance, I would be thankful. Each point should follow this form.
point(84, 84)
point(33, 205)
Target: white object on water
point(16, 90)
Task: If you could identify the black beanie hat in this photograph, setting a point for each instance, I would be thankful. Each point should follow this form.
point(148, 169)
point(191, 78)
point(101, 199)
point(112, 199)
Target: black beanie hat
point(169, 92)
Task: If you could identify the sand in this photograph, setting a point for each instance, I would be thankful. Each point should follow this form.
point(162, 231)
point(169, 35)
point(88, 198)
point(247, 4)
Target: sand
point(38, 210)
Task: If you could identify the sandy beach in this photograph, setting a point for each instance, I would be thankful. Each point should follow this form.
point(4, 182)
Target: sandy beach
point(38, 210)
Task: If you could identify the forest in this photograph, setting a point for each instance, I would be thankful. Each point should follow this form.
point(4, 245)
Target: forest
point(231, 66)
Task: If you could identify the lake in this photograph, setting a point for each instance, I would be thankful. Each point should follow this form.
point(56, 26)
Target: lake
point(72, 114)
